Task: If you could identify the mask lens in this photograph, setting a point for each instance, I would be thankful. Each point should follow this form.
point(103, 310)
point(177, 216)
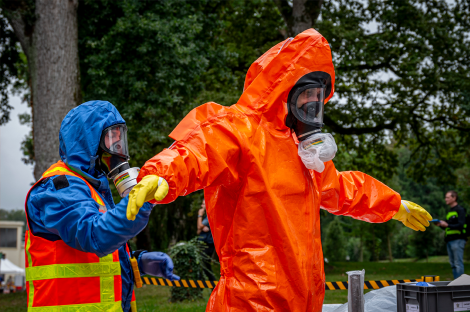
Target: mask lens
point(309, 95)
point(114, 140)
point(309, 105)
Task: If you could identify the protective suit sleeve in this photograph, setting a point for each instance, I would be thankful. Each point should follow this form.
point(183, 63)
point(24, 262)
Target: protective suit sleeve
point(356, 194)
point(73, 215)
point(207, 154)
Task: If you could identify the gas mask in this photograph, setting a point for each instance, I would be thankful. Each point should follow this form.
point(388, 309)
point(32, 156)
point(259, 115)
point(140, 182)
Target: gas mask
point(305, 116)
point(113, 156)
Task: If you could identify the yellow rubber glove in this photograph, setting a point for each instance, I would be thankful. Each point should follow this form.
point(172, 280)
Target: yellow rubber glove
point(150, 187)
point(413, 216)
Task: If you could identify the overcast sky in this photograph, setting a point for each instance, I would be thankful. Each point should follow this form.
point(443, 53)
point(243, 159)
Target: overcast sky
point(15, 176)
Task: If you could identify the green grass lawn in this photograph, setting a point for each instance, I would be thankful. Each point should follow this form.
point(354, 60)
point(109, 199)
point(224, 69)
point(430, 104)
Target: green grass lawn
point(155, 298)
point(149, 298)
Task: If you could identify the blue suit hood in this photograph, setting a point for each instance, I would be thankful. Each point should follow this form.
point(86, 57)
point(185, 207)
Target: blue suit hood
point(80, 134)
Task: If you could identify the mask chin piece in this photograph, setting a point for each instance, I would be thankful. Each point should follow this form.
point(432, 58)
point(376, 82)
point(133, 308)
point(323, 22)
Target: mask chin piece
point(306, 135)
point(303, 131)
point(122, 167)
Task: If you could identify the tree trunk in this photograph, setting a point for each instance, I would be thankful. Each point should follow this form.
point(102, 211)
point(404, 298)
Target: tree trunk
point(50, 42)
point(301, 16)
point(144, 240)
point(389, 243)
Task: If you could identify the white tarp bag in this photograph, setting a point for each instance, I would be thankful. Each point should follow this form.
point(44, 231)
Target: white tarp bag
point(383, 300)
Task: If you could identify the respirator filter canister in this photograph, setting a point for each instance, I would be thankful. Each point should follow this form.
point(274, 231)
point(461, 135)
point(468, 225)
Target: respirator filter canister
point(126, 180)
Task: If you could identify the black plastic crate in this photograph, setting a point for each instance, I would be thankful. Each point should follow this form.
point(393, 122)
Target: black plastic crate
point(442, 298)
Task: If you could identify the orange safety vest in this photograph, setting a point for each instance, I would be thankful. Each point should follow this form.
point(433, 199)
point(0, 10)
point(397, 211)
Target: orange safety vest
point(61, 278)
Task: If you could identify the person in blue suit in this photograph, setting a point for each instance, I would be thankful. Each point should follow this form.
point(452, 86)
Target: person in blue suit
point(62, 209)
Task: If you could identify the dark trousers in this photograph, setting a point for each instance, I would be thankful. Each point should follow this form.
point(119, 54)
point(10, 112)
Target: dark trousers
point(455, 248)
point(209, 250)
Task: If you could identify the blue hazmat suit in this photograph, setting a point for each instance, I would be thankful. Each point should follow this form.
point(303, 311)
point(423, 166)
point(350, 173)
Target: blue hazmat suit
point(70, 213)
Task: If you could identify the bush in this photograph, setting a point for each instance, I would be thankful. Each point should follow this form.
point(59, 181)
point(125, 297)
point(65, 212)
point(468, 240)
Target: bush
point(335, 242)
point(400, 242)
point(188, 260)
point(353, 249)
point(466, 253)
point(425, 244)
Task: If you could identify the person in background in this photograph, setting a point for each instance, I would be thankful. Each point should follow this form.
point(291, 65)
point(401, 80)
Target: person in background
point(205, 235)
point(10, 284)
point(456, 236)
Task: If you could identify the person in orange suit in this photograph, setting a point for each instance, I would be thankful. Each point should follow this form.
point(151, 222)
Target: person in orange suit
point(266, 170)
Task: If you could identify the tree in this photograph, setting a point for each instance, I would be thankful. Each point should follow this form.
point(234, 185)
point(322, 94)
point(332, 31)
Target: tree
point(425, 244)
point(47, 31)
point(401, 77)
point(299, 15)
point(402, 71)
point(148, 59)
point(335, 242)
point(9, 67)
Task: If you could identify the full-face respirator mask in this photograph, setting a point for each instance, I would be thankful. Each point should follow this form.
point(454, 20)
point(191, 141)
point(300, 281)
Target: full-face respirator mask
point(305, 116)
point(113, 156)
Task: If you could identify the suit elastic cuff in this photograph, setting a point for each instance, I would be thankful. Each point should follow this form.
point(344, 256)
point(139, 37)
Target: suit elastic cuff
point(146, 208)
point(138, 254)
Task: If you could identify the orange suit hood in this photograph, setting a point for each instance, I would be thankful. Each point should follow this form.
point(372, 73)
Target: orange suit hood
point(271, 77)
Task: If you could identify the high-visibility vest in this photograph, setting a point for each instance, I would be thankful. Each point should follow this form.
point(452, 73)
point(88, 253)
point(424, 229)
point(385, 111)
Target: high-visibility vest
point(449, 231)
point(63, 279)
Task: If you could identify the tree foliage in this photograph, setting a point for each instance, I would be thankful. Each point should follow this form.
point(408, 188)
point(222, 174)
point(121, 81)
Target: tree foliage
point(12, 73)
point(334, 245)
point(402, 77)
point(147, 59)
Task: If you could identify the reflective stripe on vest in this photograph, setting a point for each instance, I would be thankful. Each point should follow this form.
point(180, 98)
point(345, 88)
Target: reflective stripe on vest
point(451, 214)
point(88, 307)
point(452, 232)
point(88, 265)
point(73, 270)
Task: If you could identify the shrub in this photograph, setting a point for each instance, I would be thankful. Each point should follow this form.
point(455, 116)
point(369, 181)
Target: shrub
point(188, 260)
point(335, 242)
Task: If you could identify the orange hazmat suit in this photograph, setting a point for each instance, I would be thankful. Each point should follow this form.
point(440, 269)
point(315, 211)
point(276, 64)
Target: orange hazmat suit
point(262, 202)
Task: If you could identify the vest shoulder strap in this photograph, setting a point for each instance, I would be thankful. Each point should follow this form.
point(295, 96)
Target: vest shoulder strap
point(60, 168)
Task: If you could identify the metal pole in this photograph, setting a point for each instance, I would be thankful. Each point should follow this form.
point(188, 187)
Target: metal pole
point(356, 291)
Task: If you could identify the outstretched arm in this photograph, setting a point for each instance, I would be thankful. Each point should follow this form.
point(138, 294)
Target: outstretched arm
point(356, 194)
point(207, 151)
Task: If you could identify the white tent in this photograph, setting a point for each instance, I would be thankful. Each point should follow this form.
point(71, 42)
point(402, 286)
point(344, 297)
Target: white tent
point(7, 267)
